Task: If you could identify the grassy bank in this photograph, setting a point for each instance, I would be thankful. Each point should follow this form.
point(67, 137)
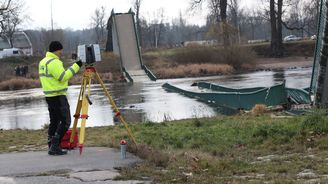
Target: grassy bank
point(303, 48)
point(239, 149)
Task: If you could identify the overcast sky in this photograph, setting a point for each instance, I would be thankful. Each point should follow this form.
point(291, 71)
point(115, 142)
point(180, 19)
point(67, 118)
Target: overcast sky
point(76, 14)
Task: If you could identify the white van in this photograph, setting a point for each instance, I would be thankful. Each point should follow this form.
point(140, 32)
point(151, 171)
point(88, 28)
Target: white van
point(11, 52)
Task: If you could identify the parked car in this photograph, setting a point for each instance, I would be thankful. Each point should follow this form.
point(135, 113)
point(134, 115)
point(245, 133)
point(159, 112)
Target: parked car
point(313, 37)
point(11, 52)
point(292, 38)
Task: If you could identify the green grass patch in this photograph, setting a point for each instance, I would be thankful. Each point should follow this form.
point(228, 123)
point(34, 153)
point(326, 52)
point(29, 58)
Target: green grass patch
point(237, 149)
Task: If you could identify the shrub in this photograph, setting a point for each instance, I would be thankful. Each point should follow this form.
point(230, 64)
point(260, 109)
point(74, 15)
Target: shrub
point(238, 56)
point(235, 56)
point(315, 122)
point(194, 55)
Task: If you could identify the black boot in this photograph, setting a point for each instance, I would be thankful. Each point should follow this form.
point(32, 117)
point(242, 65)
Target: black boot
point(49, 142)
point(54, 148)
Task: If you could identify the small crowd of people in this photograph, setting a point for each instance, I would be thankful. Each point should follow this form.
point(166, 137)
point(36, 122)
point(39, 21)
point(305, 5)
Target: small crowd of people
point(21, 71)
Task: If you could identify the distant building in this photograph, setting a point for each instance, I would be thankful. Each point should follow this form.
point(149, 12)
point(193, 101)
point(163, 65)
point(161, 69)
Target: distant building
point(20, 42)
point(200, 43)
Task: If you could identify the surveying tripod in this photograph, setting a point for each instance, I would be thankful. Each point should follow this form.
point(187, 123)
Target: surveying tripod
point(83, 103)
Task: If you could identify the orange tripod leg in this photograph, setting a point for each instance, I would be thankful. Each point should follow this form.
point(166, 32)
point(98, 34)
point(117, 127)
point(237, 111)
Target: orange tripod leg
point(117, 112)
point(84, 110)
point(77, 112)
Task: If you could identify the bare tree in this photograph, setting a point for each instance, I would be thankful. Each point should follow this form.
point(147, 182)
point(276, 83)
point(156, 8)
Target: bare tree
point(311, 14)
point(276, 28)
point(178, 26)
point(49, 35)
point(4, 6)
point(137, 5)
point(235, 13)
point(302, 16)
point(98, 22)
point(158, 26)
point(10, 18)
point(286, 13)
point(219, 11)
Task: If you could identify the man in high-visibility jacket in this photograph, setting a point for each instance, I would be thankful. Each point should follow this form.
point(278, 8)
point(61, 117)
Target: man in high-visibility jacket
point(54, 80)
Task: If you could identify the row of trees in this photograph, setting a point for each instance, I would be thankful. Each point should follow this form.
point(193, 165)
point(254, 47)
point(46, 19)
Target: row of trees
point(226, 22)
point(296, 16)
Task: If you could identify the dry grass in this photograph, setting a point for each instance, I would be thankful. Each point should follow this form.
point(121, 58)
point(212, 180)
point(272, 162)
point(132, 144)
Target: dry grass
point(19, 83)
point(259, 109)
point(193, 70)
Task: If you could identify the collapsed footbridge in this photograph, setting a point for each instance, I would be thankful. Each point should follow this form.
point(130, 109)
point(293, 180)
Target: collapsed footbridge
point(126, 45)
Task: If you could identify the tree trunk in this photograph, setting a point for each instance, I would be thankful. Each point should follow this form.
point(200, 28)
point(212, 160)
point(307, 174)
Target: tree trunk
point(276, 29)
point(273, 22)
point(253, 31)
point(139, 33)
point(224, 24)
point(109, 43)
point(280, 48)
point(155, 36)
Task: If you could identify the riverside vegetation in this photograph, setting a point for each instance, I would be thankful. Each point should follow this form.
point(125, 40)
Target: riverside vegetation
point(238, 149)
point(193, 61)
point(183, 62)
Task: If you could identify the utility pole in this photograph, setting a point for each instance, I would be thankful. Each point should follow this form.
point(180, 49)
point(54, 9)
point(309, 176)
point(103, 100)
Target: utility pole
point(52, 23)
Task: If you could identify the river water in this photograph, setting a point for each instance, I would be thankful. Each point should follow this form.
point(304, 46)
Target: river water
point(138, 102)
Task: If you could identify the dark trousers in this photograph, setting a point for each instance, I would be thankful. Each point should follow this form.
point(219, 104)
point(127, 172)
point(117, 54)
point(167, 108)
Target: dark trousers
point(60, 116)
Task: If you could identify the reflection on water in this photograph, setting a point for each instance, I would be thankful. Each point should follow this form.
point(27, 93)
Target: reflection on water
point(279, 76)
point(138, 102)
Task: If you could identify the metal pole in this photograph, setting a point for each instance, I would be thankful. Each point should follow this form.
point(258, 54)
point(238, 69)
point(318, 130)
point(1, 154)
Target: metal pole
point(52, 24)
point(321, 97)
point(314, 77)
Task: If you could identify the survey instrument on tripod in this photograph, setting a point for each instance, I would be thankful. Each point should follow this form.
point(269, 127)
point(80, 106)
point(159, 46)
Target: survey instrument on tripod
point(89, 54)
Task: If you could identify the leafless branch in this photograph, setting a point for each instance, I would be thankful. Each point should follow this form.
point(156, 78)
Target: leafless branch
point(5, 8)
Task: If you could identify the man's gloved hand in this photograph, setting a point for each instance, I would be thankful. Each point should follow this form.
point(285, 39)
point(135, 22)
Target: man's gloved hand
point(79, 62)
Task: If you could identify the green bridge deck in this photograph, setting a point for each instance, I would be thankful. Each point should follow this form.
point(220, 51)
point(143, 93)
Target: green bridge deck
point(296, 96)
point(238, 99)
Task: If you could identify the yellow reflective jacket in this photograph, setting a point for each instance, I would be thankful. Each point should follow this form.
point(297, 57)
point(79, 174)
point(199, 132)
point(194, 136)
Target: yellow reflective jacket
point(54, 78)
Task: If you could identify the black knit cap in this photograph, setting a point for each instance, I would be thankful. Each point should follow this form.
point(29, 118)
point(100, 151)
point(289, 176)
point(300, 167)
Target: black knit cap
point(54, 46)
